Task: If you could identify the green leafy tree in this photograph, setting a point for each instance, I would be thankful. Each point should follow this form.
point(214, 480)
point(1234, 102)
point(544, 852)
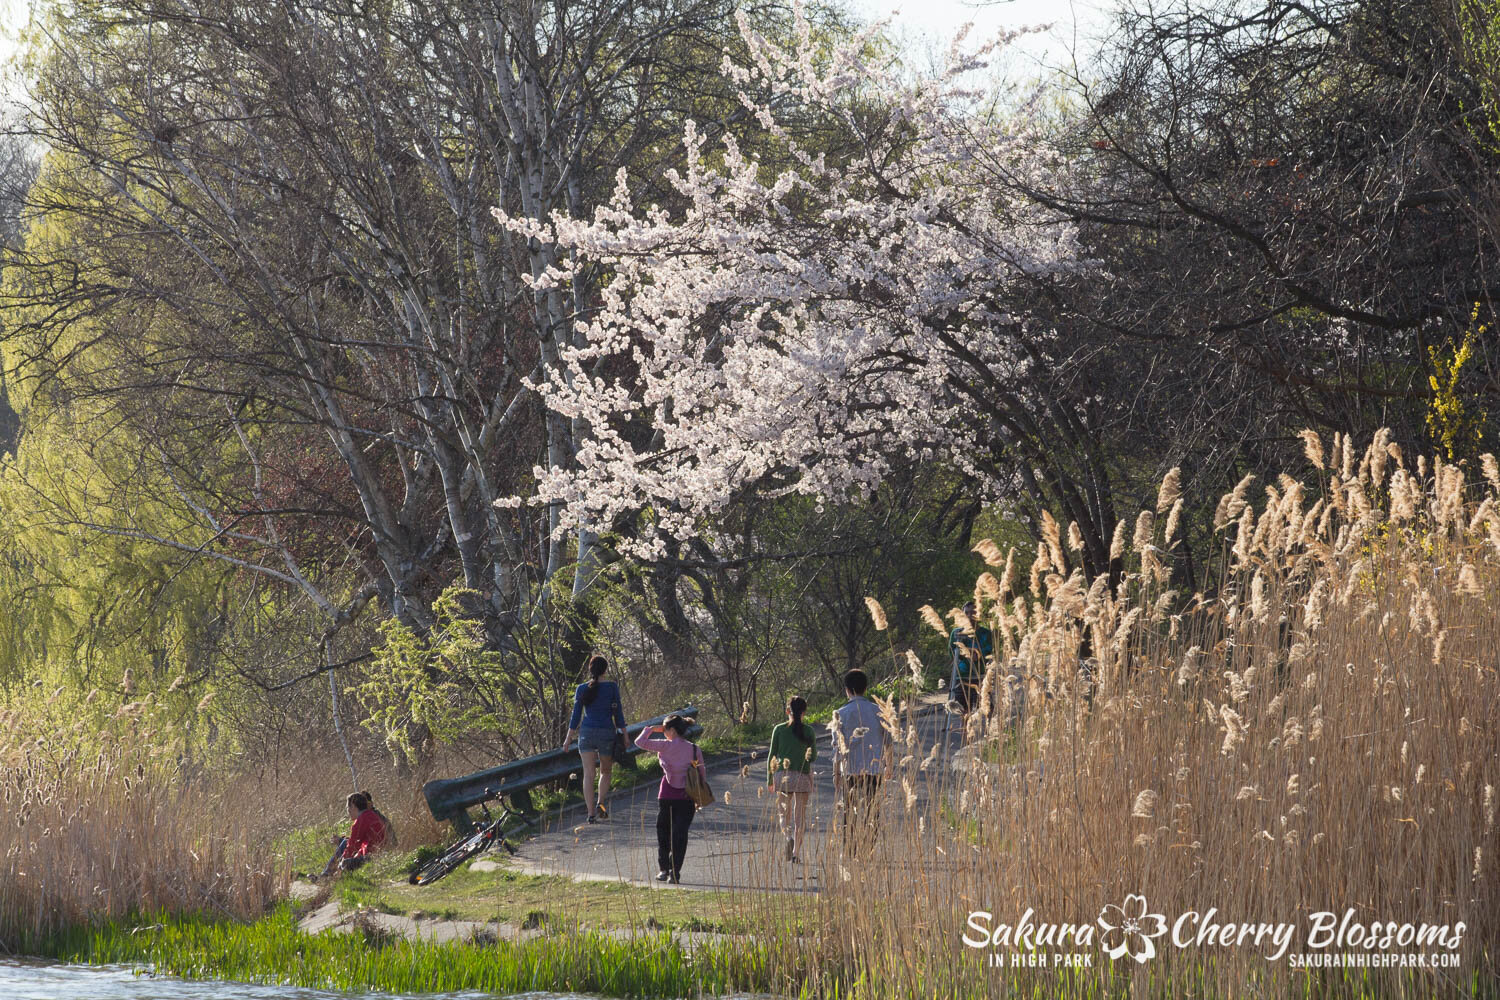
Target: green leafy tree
point(449, 685)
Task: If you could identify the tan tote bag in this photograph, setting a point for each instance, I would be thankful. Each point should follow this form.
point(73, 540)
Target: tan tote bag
point(697, 782)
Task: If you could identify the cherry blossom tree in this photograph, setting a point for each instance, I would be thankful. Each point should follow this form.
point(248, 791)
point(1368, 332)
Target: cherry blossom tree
point(793, 330)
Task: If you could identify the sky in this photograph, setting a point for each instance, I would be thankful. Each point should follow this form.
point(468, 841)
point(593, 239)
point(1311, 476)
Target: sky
point(1072, 25)
point(922, 25)
point(13, 17)
point(920, 19)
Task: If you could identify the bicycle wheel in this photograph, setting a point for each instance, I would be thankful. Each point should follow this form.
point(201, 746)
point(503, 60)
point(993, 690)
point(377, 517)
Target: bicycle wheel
point(450, 859)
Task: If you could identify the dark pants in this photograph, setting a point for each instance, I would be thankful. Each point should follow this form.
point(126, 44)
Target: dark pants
point(338, 852)
point(967, 695)
point(861, 811)
point(673, 818)
point(339, 861)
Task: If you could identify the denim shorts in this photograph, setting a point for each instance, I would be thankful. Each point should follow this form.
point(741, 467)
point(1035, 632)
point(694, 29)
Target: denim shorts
point(601, 741)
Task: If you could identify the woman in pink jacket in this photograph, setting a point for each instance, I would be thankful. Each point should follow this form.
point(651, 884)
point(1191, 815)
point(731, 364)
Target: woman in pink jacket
point(675, 810)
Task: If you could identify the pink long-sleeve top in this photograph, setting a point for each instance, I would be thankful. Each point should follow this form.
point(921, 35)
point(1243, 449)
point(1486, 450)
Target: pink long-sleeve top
point(676, 757)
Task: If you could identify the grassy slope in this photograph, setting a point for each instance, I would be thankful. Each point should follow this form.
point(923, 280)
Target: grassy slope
point(507, 896)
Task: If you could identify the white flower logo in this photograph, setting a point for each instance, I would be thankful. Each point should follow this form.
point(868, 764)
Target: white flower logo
point(1130, 928)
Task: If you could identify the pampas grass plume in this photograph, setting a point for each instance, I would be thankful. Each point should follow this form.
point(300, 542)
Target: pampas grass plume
point(1170, 489)
point(988, 551)
point(1174, 516)
point(1008, 577)
point(1491, 470)
point(1052, 535)
point(1312, 447)
point(1143, 531)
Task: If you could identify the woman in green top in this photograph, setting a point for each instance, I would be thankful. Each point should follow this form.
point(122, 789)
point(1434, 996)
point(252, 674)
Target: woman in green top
point(789, 771)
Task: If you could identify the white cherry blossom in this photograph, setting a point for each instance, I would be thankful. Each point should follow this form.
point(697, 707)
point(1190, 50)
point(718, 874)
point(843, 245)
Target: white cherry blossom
point(793, 331)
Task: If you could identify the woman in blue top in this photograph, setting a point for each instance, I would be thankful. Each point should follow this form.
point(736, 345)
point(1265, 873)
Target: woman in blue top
point(597, 717)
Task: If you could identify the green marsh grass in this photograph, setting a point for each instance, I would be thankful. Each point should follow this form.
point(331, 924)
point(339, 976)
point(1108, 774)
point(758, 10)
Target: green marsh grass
point(275, 951)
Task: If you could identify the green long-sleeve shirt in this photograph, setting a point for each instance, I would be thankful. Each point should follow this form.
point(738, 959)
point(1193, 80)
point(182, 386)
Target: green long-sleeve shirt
point(788, 753)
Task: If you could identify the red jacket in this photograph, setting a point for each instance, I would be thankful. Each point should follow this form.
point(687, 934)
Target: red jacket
point(367, 833)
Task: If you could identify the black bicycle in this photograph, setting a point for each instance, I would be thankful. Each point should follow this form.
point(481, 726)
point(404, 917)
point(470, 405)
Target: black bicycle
point(481, 840)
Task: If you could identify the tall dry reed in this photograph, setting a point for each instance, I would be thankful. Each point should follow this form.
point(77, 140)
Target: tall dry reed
point(97, 835)
point(1320, 736)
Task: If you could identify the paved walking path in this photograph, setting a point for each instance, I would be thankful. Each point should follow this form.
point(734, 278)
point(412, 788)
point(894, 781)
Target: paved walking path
point(733, 843)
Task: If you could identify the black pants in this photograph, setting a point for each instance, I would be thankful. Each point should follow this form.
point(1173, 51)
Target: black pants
point(673, 818)
point(967, 695)
point(861, 811)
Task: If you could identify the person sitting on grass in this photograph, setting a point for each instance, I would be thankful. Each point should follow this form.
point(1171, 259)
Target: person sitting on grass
point(370, 832)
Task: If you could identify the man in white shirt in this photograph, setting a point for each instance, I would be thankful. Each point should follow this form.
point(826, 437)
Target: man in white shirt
point(860, 744)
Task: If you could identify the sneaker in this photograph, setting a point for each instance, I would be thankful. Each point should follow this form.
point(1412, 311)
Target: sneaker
point(663, 875)
point(675, 879)
point(600, 812)
point(591, 818)
point(790, 851)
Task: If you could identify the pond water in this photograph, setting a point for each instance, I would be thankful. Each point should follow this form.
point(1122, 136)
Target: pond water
point(51, 981)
